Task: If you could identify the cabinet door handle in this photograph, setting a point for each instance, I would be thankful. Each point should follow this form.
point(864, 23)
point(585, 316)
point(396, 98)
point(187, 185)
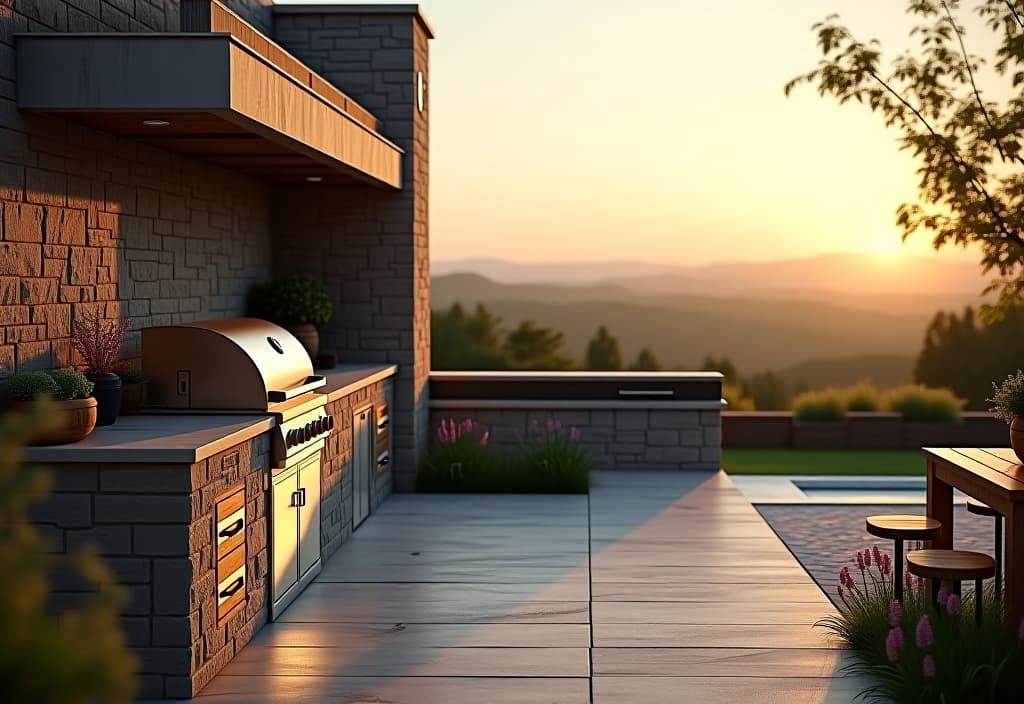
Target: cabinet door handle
point(296, 498)
point(302, 493)
point(383, 461)
point(233, 588)
point(382, 425)
point(233, 529)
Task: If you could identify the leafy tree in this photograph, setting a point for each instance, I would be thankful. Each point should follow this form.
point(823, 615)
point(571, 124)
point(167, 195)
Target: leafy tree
point(70, 657)
point(603, 352)
point(767, 391)
point(723, 365)
point(968, 356)
point(462, 342)
point(969, 147)
point(646, 362)
point(532, 347)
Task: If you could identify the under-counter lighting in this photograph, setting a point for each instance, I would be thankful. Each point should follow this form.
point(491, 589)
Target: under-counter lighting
point(156, 123)
point(314, 179)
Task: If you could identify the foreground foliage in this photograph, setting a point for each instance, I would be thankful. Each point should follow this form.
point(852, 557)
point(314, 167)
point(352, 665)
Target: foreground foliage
point(915, 652)
point(70, 657)
point(462, 460)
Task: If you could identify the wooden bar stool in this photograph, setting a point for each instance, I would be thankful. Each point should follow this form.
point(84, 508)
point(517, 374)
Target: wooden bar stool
point(980, 509)
point(954, 566)
point(899, 528)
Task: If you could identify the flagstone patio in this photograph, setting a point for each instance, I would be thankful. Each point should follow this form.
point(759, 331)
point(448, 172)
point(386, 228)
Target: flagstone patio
point(658, 587)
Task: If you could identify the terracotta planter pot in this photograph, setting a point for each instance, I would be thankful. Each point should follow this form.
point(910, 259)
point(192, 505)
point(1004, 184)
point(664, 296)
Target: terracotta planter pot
point(306, 334)
point(74, 420)
point(1017, 437)
point(133, 398)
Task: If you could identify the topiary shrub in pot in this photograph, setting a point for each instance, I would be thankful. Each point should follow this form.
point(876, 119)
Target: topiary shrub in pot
point(296, 302)
point(98, 341)
point(74, 410)
point(1008, 405)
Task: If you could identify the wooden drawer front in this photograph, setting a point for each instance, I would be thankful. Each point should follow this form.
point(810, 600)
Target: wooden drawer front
point(230, 533)
point(231, 593)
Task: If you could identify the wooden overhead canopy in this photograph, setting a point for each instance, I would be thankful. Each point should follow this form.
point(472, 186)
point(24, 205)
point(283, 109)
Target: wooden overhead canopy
point(224, 103)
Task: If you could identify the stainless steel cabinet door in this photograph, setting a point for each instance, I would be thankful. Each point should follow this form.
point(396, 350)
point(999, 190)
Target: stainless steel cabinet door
point(284, 554)
point(362, 464)
point(309, 514)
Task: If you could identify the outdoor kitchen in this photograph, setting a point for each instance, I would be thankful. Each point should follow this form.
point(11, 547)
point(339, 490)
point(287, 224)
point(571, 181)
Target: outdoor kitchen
point(197, 158)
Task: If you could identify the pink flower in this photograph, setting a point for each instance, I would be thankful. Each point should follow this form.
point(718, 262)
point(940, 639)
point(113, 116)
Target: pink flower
point(953, 605)
point(894, 644)
point(867, 558)
point(483, 440)
point(942, 597)
point(895, 613)
point(860, 561)
point(886, 564)
point(467, 425)
point(928, 666)
point(574, 434)
point(924, 635)
point(551, 425)
point(558, 424)
point(876, 555)
point(839, 588)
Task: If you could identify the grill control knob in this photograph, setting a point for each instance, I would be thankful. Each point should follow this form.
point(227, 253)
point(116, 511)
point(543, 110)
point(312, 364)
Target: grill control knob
point(330, 422)
point(290, 439)
point(318, 426)
point(307, 432)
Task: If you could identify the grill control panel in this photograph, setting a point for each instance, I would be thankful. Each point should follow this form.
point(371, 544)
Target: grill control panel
point(294, 435)
point(310, 431)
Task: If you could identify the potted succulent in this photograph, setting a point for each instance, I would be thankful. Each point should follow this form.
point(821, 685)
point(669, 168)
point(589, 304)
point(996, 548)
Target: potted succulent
point(1008, 405)
point(98, 341)
point(133, 391)
point(74, 414)
point(296, 302)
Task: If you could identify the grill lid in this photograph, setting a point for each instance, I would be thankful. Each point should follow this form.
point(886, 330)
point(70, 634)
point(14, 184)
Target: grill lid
point(241, 364)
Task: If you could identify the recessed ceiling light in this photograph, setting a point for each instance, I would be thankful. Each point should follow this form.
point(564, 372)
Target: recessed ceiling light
point(156, 123)
point(314, 179)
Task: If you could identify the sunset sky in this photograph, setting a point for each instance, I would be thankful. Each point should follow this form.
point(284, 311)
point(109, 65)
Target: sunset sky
point(656, 130)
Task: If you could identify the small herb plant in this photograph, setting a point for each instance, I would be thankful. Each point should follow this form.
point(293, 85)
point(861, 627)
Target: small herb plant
point(61, 385)
point(292, 299)
point(98, 341)
point(1008, 399)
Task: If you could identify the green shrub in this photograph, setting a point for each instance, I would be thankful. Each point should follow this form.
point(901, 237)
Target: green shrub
point(825, 405)
point(911, 653)
point(862, 398)
point(71, 384)
point(921, 404)
point(733, 395)
point(132, 376)
point(292, 299)
point(552, 460)
point(1008, 399)
point(28, 386)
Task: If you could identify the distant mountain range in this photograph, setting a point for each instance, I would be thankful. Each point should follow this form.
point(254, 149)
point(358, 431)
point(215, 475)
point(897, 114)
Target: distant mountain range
point(830, 319)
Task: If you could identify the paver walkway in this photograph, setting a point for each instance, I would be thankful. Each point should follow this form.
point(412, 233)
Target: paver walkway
point(658, 587)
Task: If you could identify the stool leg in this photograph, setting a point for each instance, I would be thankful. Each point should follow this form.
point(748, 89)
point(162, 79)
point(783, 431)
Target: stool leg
point(899, 571)
point(978, 598)
point(999, 557)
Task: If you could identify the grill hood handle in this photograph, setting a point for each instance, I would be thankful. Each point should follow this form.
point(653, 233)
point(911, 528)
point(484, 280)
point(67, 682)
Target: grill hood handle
point(312, 382)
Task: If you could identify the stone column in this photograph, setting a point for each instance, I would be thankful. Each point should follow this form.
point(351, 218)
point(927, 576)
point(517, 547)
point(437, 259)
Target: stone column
point(371, 246)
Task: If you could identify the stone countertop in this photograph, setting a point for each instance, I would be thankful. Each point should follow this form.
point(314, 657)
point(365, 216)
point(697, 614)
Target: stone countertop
point(346, 379)
point(176, 439)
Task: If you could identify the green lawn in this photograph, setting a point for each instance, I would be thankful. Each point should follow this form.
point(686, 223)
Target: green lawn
point(822, 462)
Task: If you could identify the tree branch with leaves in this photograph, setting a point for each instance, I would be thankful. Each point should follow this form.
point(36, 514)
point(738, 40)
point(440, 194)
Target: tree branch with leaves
point(968, 148)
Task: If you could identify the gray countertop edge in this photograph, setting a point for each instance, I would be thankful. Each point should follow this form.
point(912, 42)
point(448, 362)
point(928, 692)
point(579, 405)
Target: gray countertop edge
point(370, 374)
point(597, 405)
point(77, 453)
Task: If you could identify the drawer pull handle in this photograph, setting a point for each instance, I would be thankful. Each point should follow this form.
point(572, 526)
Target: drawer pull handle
point(233, 529)
point(302, 495)
point(646, 392)
point(384, 461)
point(382, 425)
point(233, 588)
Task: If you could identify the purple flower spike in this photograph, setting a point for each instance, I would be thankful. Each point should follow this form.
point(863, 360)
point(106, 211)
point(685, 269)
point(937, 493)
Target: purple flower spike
point(558, 424)
point(876, 555)
point(860, 561)
point(953, 605)
point(942, 597)
point(839, 588)
point(867, 558)
point(485, 438)
point(895, 613)
point(924, 635)
point(894, 644)
point(928, 666)
point(551, 425)
point(574, 434)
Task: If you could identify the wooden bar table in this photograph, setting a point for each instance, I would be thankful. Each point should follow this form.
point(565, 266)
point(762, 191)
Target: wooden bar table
point(995, 476)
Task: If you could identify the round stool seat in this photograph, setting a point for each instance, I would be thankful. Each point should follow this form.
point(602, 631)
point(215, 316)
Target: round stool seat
point(950, 565)
point(976, 507)
point(901, 527)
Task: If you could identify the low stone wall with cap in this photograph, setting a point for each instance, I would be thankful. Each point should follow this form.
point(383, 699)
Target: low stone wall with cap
point(627, 421)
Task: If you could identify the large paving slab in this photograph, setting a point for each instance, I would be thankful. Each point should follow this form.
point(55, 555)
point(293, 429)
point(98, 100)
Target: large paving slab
point(657, 587)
